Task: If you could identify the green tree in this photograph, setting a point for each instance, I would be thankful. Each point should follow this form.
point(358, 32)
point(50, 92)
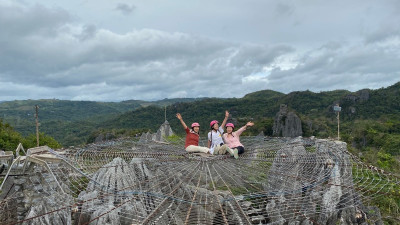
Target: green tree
point(30, 141)
point(9, 139)
point(392, 144)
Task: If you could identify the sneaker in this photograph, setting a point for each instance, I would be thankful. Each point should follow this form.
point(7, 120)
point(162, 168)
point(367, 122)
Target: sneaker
point(230, 151)
point(215, 151)
point(235, 153)
point(222, 150)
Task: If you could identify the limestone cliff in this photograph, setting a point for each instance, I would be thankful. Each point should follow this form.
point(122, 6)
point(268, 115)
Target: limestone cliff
point(287, 123)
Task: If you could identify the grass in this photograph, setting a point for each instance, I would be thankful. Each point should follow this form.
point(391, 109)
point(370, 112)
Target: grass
point(388, 200)
point(1, 182)
point(78, 185)
point(311, 149)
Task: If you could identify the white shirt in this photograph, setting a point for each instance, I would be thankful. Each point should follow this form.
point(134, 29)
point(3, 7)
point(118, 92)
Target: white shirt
point(216, 138)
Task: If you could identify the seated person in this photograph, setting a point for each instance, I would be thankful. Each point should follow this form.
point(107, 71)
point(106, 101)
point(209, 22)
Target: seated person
point(192, 137)
point(232, 138)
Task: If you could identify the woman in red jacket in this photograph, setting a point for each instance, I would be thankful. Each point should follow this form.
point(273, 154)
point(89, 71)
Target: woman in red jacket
point(192, 137)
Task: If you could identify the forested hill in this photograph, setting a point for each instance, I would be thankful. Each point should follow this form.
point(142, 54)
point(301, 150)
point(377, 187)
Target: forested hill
point(70, 122)
point(369, 121)
point(53, 109)
point(74, 122)
point(262, 106)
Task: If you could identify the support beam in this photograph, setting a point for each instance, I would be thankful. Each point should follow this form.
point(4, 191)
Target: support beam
point(8, 171)
point(46, 166)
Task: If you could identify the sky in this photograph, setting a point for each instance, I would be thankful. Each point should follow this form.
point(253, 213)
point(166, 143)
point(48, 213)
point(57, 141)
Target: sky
point(115, 50)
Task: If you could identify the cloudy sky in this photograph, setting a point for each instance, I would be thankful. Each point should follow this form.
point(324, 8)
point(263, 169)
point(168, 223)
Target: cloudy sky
point(113, 50)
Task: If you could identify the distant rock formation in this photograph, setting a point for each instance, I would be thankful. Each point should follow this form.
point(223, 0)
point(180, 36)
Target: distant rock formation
point(102, 138)
point(287, 124)
point(162, 132)
point(145, 137)
point(261, 134)
point(359, 96)
point(352, 101)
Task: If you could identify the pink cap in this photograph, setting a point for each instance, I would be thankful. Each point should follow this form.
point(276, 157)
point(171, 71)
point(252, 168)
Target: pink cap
point(230, 125)
point(195, 125)
point(213, 122)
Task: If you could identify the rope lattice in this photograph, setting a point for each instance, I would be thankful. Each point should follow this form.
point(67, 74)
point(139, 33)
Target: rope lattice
point(275, 181)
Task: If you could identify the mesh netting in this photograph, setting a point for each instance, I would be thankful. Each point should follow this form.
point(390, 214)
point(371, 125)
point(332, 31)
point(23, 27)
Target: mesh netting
point(276, 181)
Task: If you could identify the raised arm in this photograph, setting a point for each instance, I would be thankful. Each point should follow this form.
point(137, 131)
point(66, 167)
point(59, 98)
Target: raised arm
point(179, 116)
point(248, 124)
point(226, 119)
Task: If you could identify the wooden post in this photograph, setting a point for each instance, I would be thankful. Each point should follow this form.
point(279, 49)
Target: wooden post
point(338, 119)
point(37, 124)
point(337, 109)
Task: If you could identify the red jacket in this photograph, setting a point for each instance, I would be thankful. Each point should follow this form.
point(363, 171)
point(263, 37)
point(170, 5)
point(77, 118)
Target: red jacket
point(191, 138)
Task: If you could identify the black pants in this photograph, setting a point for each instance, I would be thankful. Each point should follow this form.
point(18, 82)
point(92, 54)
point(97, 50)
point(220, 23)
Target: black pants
point(240, 149)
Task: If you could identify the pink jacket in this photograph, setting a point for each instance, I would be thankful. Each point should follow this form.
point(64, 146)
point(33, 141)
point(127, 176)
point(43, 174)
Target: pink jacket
point(234, 141)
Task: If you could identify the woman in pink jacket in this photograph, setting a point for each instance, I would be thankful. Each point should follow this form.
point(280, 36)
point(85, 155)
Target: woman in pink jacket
point(232, 138)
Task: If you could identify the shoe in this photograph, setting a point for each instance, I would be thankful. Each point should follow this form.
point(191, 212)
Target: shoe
point(230, 151)
point(215, 151)
point(235, 153)
point(222, 150)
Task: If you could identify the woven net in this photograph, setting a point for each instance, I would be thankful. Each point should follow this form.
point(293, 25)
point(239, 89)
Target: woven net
point(276, 181)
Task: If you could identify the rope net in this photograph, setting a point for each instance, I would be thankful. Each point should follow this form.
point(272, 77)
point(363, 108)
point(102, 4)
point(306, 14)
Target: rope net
point(276, 181)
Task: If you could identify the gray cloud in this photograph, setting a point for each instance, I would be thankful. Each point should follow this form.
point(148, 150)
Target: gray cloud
point(19, 21)
point(344, 67)
point(47, 53)
point(283, 9)
point(142, 61)
point(383, 33)
point(125, 8)
point(88, 32)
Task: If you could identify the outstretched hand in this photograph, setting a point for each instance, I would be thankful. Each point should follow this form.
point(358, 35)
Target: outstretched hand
point(178, 115)
point(249, 124)
point(226, 113)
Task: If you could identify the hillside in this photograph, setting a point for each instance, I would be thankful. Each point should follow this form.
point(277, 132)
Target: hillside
point(74, 122)
point(70, 122)
point(318, 107)
point(370, 119)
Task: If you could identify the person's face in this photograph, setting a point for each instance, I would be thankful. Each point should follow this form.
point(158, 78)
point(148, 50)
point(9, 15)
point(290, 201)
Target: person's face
point(196, 129)
point(229, 129)
point(215, 126)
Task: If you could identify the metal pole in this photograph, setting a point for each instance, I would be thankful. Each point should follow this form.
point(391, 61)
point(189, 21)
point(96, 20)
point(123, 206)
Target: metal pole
point(338, 125)
point(37, 125)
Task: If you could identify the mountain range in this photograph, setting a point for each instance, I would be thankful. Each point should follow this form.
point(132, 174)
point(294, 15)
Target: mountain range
point(78, 122)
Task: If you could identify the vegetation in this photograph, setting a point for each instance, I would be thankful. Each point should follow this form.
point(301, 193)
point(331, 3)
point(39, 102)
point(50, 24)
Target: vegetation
point(9, 139)
point(370, 119)
point(73, 122)
point(389, 192)
point(77, 185)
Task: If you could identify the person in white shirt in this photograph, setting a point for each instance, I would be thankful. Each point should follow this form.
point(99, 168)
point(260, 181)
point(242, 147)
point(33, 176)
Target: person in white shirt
point(215, 141)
